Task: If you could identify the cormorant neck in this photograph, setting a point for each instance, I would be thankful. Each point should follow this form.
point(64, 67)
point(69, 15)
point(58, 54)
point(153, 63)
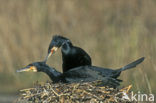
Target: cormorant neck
point(52, 73)
point(66, 47)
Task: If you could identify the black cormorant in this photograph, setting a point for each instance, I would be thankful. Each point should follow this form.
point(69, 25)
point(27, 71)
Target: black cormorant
point(72, 56)
point(82, 73)
point(75, 75)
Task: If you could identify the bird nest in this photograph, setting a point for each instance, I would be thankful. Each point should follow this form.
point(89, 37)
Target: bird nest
point(73, 93)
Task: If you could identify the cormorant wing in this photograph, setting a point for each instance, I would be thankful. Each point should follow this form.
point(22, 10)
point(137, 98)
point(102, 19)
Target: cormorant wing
point(84, 56)
point(85, 74)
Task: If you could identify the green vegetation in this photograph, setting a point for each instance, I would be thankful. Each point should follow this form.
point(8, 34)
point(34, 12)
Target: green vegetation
point(113, 32)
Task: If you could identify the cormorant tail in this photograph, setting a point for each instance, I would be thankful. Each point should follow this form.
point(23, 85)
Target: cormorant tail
point(132, 65)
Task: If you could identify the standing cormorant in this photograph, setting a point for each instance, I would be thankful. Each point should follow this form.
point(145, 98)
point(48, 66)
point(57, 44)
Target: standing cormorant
point(72, 56)
point(82, 73)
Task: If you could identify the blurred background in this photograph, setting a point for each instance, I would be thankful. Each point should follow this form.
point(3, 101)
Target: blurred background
point(113, 32)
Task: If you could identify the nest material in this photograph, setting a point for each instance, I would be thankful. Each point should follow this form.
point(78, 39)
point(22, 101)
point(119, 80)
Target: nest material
point(73, 93)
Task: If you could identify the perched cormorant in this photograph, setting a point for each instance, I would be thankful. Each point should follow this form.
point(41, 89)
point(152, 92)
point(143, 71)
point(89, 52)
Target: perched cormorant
point(72, 56)
point(75, 75)
point(82, 73)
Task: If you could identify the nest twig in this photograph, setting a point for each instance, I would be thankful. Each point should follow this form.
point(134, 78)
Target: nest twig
point(73, 93)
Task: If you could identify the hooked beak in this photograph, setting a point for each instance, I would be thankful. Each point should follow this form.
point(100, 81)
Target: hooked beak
point(27, 69)
point(53, 50)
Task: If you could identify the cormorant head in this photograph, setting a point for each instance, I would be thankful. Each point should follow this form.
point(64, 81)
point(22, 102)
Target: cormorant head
point(57, 42)
point(33, 67)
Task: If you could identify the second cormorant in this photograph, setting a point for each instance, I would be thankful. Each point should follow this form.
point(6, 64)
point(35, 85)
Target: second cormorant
point(72, 56)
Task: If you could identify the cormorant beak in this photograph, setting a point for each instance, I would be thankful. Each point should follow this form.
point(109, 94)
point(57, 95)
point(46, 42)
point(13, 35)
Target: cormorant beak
point(27, 69)
point(53, 50)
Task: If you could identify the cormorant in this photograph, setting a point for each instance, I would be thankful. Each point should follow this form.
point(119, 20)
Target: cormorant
point(82, 73)
point(75, 75)
point(72, 56)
